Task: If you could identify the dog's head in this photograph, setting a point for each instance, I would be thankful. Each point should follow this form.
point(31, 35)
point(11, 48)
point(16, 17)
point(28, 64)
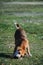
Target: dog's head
point(17, 54)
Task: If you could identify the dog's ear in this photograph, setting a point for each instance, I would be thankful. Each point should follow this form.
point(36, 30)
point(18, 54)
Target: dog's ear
point(17, 26)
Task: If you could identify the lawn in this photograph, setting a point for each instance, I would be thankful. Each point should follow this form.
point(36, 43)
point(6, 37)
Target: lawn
point(9, 8)
point(33, 25)
point(19, 0)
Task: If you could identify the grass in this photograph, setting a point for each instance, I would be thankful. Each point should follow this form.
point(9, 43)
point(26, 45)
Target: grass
point(9, 8)
point(33, 25)
point(34, 32)
point(19, 0)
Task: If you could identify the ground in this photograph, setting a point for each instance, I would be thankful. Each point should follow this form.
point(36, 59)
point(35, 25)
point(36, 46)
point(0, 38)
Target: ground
point(32, 23)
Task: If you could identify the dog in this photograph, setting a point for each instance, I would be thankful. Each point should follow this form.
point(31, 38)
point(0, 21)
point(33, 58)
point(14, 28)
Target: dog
point(21, 43)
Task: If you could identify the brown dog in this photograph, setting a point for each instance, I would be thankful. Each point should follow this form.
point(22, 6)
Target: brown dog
point(21, 43)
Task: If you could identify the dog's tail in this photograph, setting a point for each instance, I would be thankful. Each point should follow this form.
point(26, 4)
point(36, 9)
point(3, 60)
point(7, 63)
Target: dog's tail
point(17, 26)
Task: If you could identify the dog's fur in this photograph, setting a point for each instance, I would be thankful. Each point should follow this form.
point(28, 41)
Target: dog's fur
point(21, 42)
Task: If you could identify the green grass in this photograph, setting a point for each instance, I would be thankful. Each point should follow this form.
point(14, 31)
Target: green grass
point(34, 32)
point(19, 0)
point(33, 25)
point(9, 8)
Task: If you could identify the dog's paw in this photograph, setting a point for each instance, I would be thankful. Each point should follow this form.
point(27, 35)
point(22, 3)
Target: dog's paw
point(20, 58)
point(30, 55)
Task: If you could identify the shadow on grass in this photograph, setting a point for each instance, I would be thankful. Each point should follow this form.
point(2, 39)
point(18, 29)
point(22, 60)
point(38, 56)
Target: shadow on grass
point(6, 55)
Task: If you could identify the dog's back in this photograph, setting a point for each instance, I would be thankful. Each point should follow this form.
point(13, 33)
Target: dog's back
point(19, 33)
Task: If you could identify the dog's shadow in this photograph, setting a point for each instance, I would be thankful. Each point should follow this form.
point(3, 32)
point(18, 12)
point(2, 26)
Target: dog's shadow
point(6, 55)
